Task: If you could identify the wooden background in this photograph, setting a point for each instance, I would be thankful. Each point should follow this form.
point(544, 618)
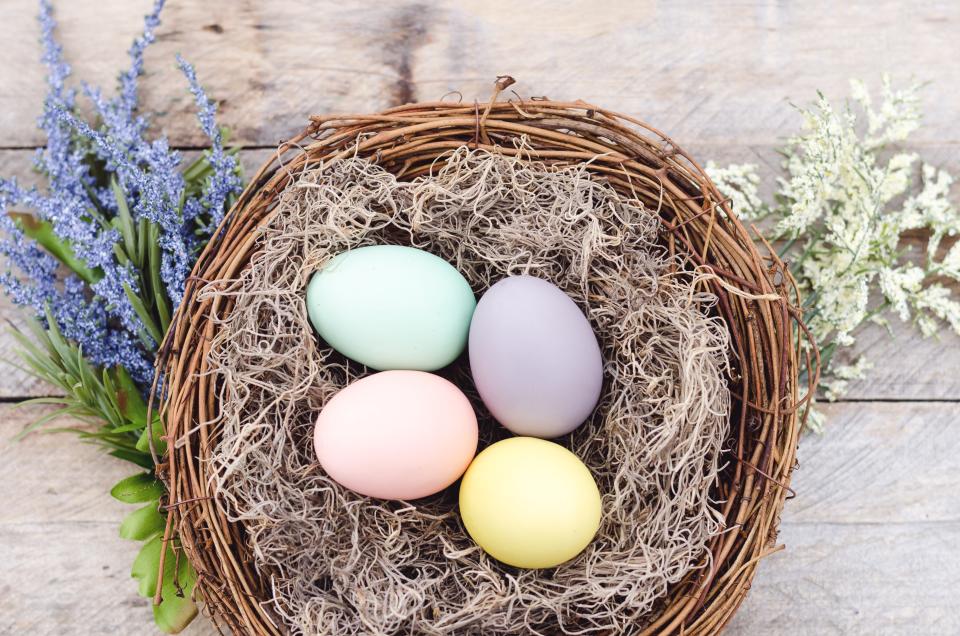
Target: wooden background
point(872, 535)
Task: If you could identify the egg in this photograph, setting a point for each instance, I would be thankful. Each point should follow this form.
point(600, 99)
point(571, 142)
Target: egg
point(391, 307)
point(530, 503)
point(396, 435)
point(534, 357)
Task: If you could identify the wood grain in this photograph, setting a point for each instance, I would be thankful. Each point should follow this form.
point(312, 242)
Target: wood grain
point(717, 72)
point(869, 535)
point(856, 579)
point(65, 570)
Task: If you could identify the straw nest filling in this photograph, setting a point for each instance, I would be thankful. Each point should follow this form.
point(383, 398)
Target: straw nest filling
point(340, 563)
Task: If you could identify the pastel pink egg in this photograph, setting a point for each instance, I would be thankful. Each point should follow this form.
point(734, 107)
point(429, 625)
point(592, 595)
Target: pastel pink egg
point(397, 435)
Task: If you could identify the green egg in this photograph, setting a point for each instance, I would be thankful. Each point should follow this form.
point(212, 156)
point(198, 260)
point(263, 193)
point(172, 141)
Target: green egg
point(392, 307)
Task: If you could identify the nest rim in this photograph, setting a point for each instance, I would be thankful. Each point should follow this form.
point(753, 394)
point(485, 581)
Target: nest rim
point(766, 334)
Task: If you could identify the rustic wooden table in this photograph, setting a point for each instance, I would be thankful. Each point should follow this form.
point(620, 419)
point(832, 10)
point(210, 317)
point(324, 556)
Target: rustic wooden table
point(871, 536)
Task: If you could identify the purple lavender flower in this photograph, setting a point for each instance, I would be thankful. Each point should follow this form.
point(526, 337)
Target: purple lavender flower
point(224, 180)
point(84, 212)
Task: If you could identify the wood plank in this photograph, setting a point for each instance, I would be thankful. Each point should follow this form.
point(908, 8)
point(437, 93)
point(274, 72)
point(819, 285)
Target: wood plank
point(924, 369)
point(843, 580)
point(73, 579)
point(65, 569)
point(870, 535)
point(907, 366)
point(714, 71)
point(881, 463)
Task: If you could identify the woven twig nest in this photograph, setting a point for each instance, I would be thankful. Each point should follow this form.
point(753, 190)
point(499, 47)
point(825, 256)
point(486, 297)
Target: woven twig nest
point(755, 299)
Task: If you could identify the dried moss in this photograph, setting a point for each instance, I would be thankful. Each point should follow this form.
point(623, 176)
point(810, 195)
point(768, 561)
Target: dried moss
point(343, 564)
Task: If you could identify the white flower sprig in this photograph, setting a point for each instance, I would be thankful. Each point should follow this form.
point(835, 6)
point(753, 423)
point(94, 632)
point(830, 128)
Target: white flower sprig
point(840, 214)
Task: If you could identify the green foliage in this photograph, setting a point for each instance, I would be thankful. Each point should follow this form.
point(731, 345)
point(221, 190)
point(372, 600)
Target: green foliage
point(42, 232)
point(139, 246)
point(147, 524)
point(146, 566)
point(143, 523)
point(177, 609)
point(123, 202)
point(106, 399)
point(107, 402)
point(112, 404)
point(138, 489)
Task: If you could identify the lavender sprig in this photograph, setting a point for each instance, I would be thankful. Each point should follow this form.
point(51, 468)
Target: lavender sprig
point(118, 205)
point(224, 180)
point(127, 220)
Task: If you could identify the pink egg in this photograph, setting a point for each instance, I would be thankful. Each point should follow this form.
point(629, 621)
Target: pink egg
point(397, 435)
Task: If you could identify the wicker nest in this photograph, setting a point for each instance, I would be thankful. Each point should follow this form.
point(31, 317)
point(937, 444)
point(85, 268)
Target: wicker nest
point(635, 159)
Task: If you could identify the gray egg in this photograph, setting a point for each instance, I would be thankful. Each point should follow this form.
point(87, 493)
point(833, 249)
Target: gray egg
point(534, 358)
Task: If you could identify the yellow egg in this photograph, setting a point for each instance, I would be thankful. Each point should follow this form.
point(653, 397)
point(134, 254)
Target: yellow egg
point(530, 503)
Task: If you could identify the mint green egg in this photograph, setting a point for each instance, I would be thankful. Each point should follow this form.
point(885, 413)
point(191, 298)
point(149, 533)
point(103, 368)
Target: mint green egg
point(392, 307)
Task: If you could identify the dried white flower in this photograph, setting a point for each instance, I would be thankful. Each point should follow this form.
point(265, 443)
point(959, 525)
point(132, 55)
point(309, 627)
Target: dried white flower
point(856, 371)
point(816, 419)
point(837, 209)
point(900, 285)
point(935, 302)
point(931, 208)
point(950, 265)
point(739, 182)
point(898, 116)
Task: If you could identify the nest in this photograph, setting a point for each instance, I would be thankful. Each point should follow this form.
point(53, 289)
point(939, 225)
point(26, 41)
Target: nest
point(693, 457)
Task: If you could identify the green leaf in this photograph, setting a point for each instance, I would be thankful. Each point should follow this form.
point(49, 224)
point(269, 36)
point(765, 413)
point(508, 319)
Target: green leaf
point(138, 489)
point(120, 254)
point(146, 566)
point(129, 427)
point(39, 350)
point(41, 334)
point(91, 379)
point(177, 609)
point(142, 459)
point(142, 236)
point(108, 400)
point(159, 444)
point(144, 315)
point(197, 169)
point(123, 220)
point(64, 353)
point(42, 232)
point(38, 361)
point(129, 401)
point(49, 417)
point(143, 523)
point(38, 400)
point(61, 353)
point(156, 284)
